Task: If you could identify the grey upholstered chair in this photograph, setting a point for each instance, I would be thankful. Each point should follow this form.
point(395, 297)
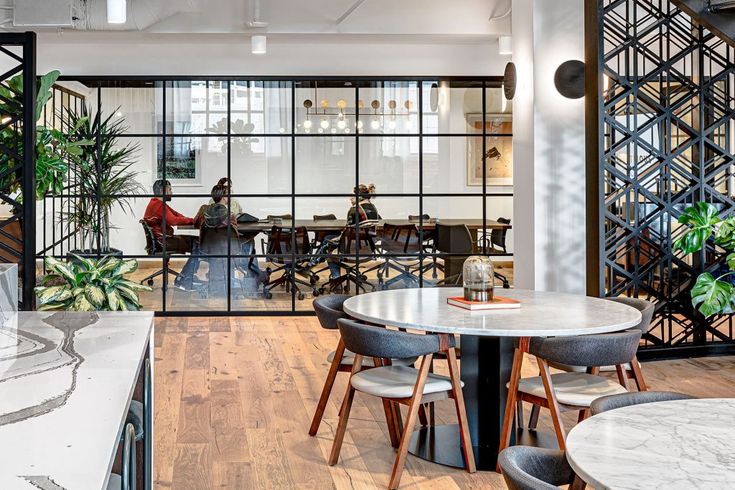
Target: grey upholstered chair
point(629, 369)
point(328, 310)
point(397, 384)
point(627, 399)
point(575, 391)
point(533, 468)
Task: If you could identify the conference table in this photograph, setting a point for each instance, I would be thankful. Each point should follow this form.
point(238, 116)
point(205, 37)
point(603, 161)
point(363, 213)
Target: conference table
point(672, 444)
point(339, 224)
point(493, 343)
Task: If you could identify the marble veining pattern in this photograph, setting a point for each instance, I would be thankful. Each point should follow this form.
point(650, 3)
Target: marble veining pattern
point(683, 444)
point(66, 379)
point(541, 313)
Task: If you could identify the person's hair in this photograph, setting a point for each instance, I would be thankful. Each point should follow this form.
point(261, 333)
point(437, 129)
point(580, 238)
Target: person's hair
point(159, 186)
point(218, 193)
point(225, 181)
point(362, 191)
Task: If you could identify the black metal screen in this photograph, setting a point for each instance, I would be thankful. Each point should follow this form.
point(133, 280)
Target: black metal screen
point(665, 108)
point(17, 157)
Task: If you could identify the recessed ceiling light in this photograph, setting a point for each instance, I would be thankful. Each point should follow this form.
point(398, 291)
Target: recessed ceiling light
point(505, 45)
point(116, 11)
point(258, 44)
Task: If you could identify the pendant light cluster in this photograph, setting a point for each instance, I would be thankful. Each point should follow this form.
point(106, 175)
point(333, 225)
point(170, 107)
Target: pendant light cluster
point(334, 119)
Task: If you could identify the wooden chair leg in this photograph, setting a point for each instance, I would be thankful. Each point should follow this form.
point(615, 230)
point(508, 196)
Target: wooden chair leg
point(398, 419)
point(413, 409)
point(622, 376)
point(390, 420)
point(533, 418)
point(519, 414)
point(510, 403)
point(327, 389)
point(344, 415)
point(553, 404)
point(464, 430)
point(638, 374)
point(423, 419)
point(583, 414)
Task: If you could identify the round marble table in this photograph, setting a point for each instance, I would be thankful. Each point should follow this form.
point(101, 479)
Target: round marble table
point(675, 444)
point(489, 357)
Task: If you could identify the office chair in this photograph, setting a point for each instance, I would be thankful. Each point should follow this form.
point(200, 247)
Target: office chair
point(290, 252)
point(154, 249)
point(401, 256)
point(349, 246)
point(457, 239)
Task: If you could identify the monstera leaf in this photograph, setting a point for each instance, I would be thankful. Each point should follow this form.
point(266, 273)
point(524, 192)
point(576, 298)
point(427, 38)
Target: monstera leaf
point(712, 296)
point(701, 220)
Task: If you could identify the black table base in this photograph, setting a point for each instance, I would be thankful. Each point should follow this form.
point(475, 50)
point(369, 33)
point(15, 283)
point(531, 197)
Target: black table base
point(441, 445)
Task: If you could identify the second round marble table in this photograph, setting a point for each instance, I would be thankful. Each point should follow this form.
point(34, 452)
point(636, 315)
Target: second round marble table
point(488, 350)
point(687, 444)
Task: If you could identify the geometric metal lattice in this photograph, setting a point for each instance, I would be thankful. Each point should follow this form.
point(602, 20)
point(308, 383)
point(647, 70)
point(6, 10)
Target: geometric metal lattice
point(17, 158)
point(666, 112)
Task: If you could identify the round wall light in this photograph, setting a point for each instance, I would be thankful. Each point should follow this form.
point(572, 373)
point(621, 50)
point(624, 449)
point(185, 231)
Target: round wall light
point(510, 79)
point(569, 79)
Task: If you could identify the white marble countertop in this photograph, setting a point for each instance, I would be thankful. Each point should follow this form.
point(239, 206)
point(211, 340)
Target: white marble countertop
point(683, 444)
point(541, 314)
point(66, 380)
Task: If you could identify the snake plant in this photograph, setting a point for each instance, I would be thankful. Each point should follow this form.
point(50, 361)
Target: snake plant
point(89, 285)
point(710, 295)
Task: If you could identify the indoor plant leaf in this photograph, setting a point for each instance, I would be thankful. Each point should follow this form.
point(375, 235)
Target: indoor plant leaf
point(126, 267)
point(712, 296)
point(95, 295)
point(701, 220)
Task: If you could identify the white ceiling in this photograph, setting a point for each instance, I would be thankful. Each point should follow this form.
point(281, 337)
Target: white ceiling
point(434, 18)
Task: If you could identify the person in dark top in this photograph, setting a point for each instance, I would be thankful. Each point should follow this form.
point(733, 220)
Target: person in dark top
point(154, 215)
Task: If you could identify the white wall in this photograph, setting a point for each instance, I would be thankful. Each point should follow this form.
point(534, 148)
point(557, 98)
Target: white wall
point(142, 54)
point(549, 132)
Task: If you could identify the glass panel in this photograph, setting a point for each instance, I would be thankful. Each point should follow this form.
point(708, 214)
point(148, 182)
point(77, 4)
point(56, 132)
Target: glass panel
point(390, 163)
point(325, 164)
point(194, 107)
point(451, 107)
point(193, 161)
point(389, 108)
point(261, 165)
point(132, 104)
point(260, 107)
point(450, 164)
point(325, 107)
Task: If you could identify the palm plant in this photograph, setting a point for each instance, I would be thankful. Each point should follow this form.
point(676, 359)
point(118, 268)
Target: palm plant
point(103, 172)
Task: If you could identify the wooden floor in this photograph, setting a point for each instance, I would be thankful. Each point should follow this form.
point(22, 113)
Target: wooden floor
point(234, 398)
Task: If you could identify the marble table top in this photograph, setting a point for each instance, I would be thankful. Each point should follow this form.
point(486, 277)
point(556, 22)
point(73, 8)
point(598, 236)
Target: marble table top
point(683, 444)
point(66, 380)
point(542, 314)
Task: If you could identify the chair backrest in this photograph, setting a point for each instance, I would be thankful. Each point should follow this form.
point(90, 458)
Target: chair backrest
point(646, 308)
point(213, 241)
point(151, 244)
point(272, 217)
point(328, 309)
point(416, 217)
point(533, 468)
point(376, 341)
point(453, 238)
point(282, 241)
point(497, 235)
point(611, 402)
point(350, 240)
point(325, 217)
point(588, 350)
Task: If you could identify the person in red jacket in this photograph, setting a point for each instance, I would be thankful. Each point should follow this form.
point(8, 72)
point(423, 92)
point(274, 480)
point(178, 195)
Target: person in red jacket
point(175, 244)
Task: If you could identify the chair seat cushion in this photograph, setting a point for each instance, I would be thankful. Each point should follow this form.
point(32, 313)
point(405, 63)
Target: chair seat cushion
point(579, 389)
point(582, 369)
point(349, 357)
point(115, 482)
point(397, 382)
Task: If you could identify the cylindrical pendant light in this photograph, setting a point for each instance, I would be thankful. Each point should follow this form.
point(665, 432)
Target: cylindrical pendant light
point(505, 45)
point(258, 44)
point(116, 11)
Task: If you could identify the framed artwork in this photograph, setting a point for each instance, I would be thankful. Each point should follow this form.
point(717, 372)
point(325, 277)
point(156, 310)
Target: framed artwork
point(498, 150)
point(182, 160)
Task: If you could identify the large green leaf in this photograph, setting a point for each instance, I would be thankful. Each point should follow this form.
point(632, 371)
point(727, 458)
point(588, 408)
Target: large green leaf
point(126, 292)
point(113, 299)
point(126, 267)
point(701, 220)
point(82, 304)
point(136, 286)
point(67, 271)
point(95, 295)
point(712, 296)
point(48, 294)
point(43, 93)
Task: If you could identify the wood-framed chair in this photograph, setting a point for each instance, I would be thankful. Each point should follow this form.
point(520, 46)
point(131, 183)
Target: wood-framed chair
point(535, 468)
point(400, 384)
point(328, 310)
point(574, 391)
point(612, 402)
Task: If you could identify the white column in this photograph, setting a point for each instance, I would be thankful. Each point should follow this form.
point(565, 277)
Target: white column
point(548, 149)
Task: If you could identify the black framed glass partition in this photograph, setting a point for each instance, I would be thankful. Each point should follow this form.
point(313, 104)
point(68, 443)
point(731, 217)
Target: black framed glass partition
point(419, 156)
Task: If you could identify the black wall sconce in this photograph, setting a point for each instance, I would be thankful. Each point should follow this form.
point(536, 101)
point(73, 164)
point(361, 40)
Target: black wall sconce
point(569, 79)
point(510, 79)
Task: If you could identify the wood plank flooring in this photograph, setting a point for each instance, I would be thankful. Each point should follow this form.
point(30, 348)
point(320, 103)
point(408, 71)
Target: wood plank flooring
point(234, 398)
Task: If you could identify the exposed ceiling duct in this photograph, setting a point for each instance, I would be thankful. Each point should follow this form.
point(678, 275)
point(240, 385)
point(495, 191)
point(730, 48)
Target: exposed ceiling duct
point(142, 14)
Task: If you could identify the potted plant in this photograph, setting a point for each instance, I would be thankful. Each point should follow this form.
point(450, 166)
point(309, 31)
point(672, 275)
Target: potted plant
point(89, 285)
point(54, 151)
point(103, 172)
point(712, 294)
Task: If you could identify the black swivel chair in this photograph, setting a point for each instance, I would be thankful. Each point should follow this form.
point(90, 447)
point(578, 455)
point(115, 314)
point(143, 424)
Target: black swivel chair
point(291, 256)
point(496, 242)
point(456, 239)
point(154, 249)
point(214, 250)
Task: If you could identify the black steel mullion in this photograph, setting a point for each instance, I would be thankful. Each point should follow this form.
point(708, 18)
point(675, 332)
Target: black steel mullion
point(420, 90)
point(229, 190)
point(293, 192)
point(29, 173)
point(164, 280)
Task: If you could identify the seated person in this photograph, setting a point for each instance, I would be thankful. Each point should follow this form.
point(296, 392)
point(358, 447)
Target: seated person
point(154, 215)
point(365, 210)
point(215, 215)
point(234, 205)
